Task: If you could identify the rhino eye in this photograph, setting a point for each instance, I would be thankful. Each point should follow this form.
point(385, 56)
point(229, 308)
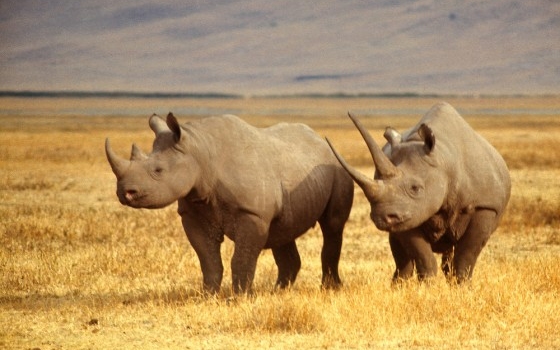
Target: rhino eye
point(157, 170)
point(415, 189)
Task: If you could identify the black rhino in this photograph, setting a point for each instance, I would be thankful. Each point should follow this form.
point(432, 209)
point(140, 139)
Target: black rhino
point(438, 187)
point(262, 188)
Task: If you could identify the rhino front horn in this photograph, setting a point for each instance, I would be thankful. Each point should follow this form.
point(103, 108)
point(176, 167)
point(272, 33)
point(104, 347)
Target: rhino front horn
point(383, 164)
point(370, 187)
point(119, 165)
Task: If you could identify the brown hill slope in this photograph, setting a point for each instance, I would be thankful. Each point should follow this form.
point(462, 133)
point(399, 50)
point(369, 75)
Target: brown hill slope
point(265, 47)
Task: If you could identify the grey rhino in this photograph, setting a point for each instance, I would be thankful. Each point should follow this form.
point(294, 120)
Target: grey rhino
point(262, 188)
point(438, 187)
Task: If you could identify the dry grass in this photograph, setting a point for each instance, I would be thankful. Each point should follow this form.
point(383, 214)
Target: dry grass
point(78, 270)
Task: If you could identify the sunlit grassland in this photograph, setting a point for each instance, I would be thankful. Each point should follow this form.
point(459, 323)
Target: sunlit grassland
point(78, 270)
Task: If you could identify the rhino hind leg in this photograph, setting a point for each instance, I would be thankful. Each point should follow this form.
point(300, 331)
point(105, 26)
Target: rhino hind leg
point(470, 245)
point(250, 239)
point(332, 222)
point(288, 261)
point(330, 256)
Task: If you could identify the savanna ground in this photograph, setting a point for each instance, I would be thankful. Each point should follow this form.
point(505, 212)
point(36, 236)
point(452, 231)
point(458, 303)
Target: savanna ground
point(78, 270)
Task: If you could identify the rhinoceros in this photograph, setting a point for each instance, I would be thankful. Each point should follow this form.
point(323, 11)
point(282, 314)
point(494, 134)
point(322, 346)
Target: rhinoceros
point(438, 187)
point(260, 187)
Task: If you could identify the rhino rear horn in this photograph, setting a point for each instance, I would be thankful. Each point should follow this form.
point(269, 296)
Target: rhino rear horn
point(118, 165)
point(370, 187)
point(392, 136)
point(136, 153)
point(157, 124)
point(382, 163)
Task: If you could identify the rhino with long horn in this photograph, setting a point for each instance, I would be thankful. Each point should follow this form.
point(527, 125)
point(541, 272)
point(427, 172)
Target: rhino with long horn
point(439, 187)
point(262, 188)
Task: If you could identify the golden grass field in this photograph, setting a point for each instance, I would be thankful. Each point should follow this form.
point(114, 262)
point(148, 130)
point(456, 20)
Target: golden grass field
point(78, 270)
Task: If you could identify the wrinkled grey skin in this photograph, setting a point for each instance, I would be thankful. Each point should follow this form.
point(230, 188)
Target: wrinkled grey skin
point(262, 188)
point(438, 187)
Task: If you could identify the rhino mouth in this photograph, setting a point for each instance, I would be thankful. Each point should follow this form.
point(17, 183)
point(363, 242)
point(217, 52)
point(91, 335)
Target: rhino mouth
point(141, 200)
point(131, 198)
point(391, 222)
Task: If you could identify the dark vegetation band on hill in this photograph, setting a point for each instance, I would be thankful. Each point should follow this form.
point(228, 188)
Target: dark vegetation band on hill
point(219, 95)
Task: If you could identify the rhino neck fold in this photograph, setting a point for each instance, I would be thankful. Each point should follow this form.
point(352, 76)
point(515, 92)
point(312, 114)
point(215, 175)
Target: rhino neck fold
point(204, 151)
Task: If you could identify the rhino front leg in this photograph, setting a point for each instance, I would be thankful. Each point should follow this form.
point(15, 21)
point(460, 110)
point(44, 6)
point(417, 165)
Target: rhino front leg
point(404, 264)
point(288, 261)
point(419, 250)
point(250, 239)
point(207, 249)
point(481, 226)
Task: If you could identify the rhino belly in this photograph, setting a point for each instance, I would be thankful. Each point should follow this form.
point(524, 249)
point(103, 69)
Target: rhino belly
point(293, 223)
point(302, 203)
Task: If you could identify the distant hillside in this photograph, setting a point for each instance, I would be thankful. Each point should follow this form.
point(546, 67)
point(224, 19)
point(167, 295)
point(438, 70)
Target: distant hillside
point(281, 47)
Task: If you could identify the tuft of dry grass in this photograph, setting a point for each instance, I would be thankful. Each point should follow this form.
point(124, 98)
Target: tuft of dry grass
point(81, 271)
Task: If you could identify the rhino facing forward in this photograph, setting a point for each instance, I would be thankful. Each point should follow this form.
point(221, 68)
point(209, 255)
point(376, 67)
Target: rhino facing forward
point(262, 188)
point(438, 187)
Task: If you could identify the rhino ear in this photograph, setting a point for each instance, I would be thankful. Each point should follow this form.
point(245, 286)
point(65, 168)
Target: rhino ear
point(428, 136)
point(174, 126)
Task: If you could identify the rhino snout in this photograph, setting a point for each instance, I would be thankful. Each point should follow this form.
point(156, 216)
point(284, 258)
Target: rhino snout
point(130, 195)
point(127, 196)
point(392, 219)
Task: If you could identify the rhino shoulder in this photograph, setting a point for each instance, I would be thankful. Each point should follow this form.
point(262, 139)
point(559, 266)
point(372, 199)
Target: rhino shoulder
point(443, 107)
point(223, 122)
point(226, 128)
point(282, 129)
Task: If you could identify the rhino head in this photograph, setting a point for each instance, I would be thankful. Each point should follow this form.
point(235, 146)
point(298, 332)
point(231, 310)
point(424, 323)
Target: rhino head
point(409, 187)
point(156, 180)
